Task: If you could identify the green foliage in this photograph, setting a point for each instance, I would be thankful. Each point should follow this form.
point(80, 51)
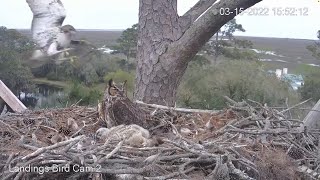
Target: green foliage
point(236, 53)
point(16, 76)
point(243, 43)
point(315, 48)
point(88, 96)
point(306, 70)
point(199, 60)
point(89, 73)
point(205, 87)
point(13, 40)
point(13, 47)
point(127, 42)
point(224, 43)
point(230, 28)
point(311, 86)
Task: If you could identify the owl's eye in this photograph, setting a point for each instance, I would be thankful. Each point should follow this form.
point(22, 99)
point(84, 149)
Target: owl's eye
point(113, 91)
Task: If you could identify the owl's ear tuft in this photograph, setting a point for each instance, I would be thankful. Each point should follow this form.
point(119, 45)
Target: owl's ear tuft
point(111, 83)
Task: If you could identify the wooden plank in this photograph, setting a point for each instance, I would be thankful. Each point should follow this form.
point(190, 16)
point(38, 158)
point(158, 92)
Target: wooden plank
point(312, 120)
point(6, 94)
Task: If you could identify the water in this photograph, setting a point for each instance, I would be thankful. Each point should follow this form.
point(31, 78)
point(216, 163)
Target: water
point(45, 96)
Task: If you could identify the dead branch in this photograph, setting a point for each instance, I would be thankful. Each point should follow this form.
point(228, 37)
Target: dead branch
point(13, 130)
point(178, 109)
point(59, 144)
point(299, 104)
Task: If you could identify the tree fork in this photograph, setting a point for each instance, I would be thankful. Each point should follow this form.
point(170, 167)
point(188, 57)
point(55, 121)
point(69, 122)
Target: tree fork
point(167, 43)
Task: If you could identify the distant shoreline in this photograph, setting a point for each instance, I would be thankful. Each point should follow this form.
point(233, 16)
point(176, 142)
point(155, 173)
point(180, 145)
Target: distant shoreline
point(120, 30)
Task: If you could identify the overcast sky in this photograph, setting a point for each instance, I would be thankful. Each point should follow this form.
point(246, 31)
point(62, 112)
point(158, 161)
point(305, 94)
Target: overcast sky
point(120, 14)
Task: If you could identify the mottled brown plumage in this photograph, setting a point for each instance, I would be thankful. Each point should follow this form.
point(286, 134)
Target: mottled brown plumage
point(119, 109)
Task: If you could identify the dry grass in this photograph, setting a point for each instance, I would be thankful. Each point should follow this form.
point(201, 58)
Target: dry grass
point(276, 165)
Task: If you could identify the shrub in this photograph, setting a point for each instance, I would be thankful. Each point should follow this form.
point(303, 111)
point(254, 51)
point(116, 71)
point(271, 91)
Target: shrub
point(205, 87)
point(88, 75)
point(13, 47)
point(88, 96)
point(311, 86)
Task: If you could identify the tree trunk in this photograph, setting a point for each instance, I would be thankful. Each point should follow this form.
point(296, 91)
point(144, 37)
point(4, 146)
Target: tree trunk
point(311, 121)
point(167, 43)
point(157, 71)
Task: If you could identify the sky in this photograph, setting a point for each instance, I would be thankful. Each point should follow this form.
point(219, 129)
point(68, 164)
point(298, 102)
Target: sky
point(121, 14)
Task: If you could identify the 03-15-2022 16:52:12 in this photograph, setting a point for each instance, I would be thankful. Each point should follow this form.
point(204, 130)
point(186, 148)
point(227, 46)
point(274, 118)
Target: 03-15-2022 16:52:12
point(265, 11)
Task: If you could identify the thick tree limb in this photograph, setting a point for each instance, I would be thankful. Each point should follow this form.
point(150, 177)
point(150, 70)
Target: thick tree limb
point(195, 12)
point(205, 27)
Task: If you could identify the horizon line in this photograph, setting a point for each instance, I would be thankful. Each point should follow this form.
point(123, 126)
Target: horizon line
point(235, 35)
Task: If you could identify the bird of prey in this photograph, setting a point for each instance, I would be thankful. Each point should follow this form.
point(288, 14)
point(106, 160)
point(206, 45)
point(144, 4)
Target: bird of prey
point(47, 31)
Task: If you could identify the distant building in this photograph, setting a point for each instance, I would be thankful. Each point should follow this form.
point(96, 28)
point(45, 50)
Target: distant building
point(278, 73)
point(294, 80)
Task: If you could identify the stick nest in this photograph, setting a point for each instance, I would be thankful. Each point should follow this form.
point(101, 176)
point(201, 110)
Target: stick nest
point(246, 141)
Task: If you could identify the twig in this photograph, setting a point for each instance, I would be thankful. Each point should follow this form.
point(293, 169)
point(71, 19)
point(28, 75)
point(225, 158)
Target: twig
point(84, 125)
point(44, 149)
point(115, 150)
point(20, 173)
point(73, 105)
point(9, 160)
point(10, 128)
point(261, 132)
point(128, 170)
point(294, 106)
point(238, 172)
point(49, 128)
point(172, 175)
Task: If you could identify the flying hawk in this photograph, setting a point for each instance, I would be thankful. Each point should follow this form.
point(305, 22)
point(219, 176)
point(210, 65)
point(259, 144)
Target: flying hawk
point(47, 31)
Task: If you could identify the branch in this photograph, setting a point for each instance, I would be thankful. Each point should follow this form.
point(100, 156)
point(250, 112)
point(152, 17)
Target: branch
point(194, 13)
point(44, 149)
point(205, 27)
point(238, 172)
point(178, 109)
point(277, 131)
point(295, 105)
point(13, 130)
point(171, 175)
point(115, 150)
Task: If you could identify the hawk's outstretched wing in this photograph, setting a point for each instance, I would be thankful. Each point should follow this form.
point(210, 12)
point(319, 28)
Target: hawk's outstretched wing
point(48, 16)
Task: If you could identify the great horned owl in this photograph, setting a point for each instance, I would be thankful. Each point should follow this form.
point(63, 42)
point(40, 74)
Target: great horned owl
point(119, 109)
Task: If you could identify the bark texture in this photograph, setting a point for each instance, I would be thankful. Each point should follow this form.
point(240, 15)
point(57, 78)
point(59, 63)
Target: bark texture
point(311, 121)
point(167, 43)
